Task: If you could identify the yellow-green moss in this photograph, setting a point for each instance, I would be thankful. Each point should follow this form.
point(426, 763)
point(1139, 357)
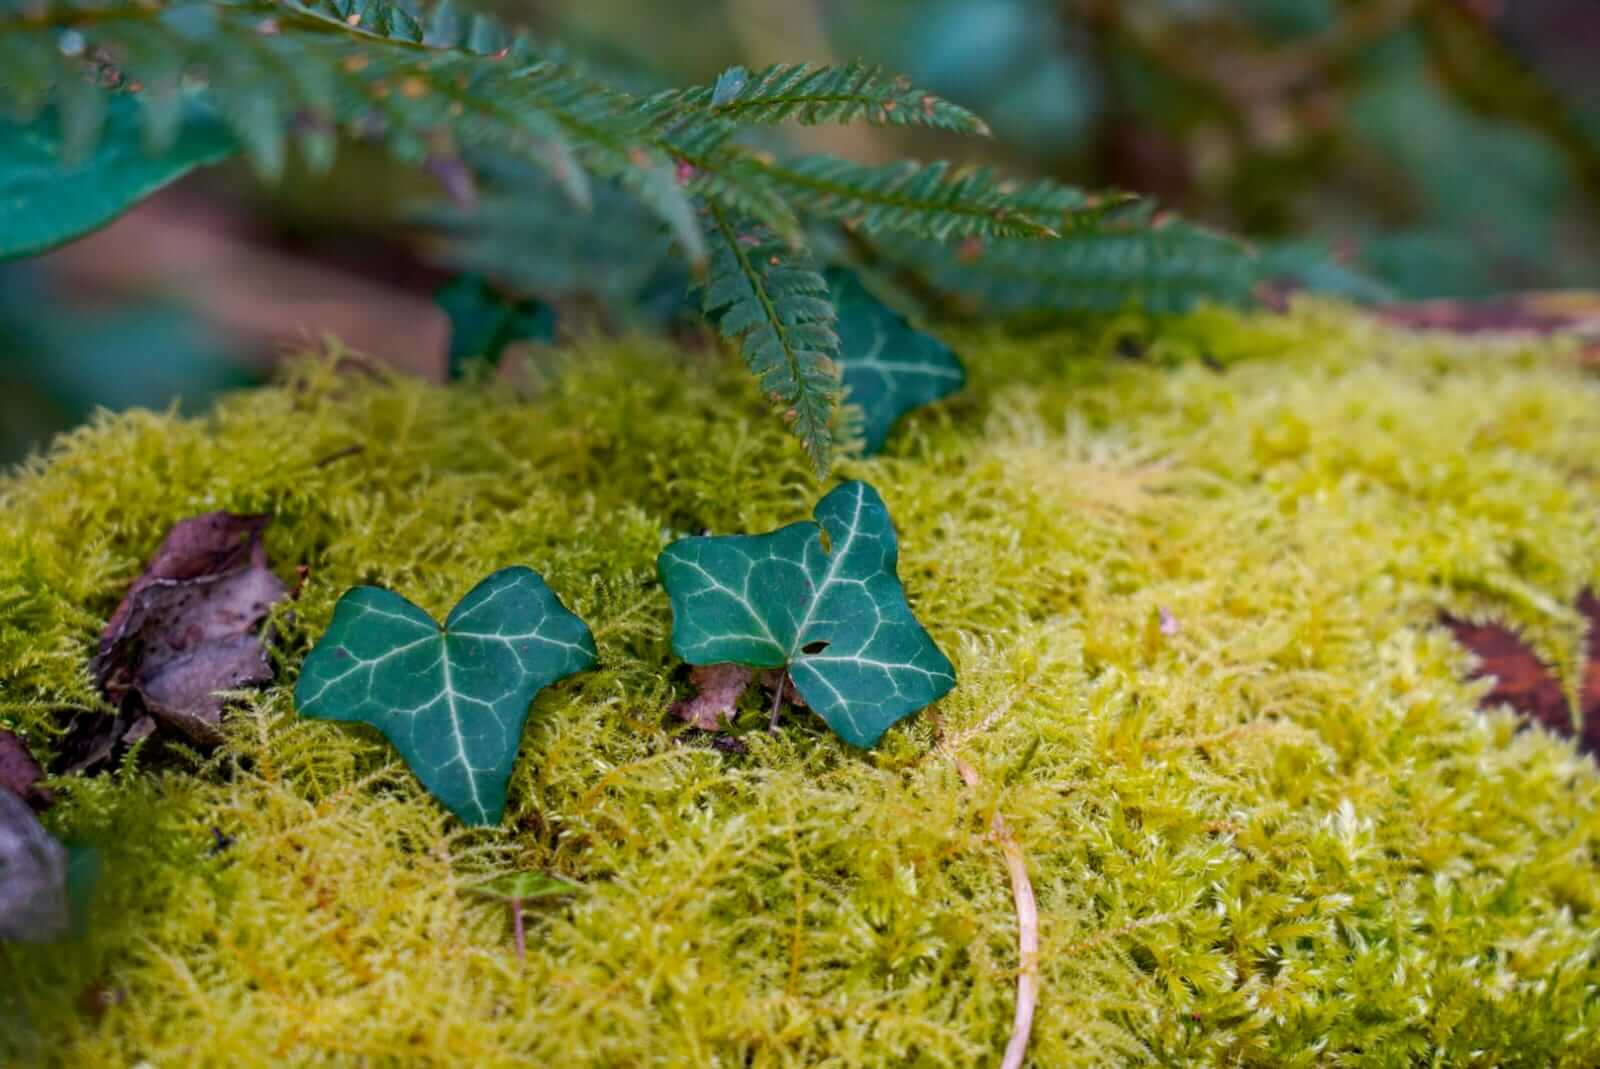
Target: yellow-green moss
point(1280, 836)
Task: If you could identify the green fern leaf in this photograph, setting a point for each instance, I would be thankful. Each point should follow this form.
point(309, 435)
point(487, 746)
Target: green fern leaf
point(816, 95)
point(770, 297)
point(1095, 268)
point(927, 200)
point(522, 229)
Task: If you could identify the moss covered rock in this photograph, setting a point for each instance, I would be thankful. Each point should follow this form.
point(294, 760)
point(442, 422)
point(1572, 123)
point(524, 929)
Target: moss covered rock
point(1279, 833)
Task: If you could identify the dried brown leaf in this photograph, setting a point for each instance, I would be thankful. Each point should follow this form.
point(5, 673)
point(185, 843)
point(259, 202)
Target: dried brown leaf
point(189, 627)
point(716, 704)
point(20, 773)
point(1527, 685)
point(33, 876)
point(1575, 313)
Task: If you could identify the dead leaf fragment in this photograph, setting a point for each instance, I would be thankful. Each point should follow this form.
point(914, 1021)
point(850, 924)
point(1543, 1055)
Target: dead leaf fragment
point(190, 625)
point(773, 678)
point(1575, 313)
point(716, 704)
point(33, 876)
point(1527, 685)
point(20, 773)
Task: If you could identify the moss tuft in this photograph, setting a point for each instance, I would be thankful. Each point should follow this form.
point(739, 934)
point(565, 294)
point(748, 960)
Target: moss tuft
point(1280, 836)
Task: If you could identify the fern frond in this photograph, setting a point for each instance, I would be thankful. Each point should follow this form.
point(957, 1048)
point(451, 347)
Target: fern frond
point(358, 65)
point(814, 95)
point(926, 200)
point(771, 298)
point(523, 231)
point(1116, 264)
point(1068, 208)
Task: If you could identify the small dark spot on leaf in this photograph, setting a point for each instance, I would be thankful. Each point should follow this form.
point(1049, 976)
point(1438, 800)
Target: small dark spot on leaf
point(814, 647)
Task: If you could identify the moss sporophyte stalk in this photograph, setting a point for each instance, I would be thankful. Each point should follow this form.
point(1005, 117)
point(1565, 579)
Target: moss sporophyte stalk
point(1279, 833)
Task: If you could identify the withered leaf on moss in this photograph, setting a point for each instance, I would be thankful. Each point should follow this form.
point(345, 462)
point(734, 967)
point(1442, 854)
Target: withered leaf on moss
point(720, 686)
point(1575, 314)
point(190, 626)
point(1527, 685)
point(717, 704)
point(33, 876)
point(20, 773)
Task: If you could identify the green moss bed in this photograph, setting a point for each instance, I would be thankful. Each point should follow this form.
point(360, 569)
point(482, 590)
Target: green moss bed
point(1281, 834)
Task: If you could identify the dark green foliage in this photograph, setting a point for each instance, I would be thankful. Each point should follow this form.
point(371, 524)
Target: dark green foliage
point(453, 699)
point(587, 189)
point(887, 366)
point(62, 195)
point(483, 322)
point(57, 369)
point(522, 229)
point(1447, 148)
point(832, 614)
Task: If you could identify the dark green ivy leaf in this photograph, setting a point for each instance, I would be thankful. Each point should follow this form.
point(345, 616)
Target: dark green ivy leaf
point(46, 201)
point(483, 322)
point(835, 617)
point(888, 367)
point(453, 701)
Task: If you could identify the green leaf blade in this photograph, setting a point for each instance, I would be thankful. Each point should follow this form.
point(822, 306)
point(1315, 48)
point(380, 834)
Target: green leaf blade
point(526, 886)
point(45, 202)
point(835, 616)
point(453, 701)
point(484, 322)
point(888, 367)
point(728, 584)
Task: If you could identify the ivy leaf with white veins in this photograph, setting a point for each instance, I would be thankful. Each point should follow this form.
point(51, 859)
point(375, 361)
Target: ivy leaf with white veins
point(452, 700)
point(888, 367)
point(833, 615)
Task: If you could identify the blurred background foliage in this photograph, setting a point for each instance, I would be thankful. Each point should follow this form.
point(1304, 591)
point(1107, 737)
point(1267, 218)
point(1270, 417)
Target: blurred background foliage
point(1436, 148)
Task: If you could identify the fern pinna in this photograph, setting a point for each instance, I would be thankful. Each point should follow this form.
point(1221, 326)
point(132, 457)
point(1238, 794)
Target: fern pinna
point(454, 91)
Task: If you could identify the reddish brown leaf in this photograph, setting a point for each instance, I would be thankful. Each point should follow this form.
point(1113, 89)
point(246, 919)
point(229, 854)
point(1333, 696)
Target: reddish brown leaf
point(716, 704)
point(188, 628)
point(1522, 681)
point(1526, 684)
point(1574, 313)
point(1589, 687)
point(773, 678)
point(20, 773)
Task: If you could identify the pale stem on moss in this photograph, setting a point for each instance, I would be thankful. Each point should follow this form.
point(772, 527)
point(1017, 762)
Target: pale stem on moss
point(517, 927)
point(777, 702)
point(1021, 891)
